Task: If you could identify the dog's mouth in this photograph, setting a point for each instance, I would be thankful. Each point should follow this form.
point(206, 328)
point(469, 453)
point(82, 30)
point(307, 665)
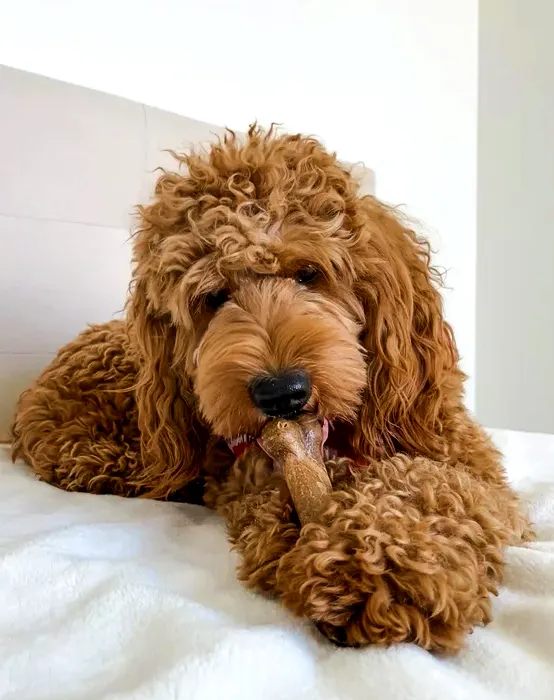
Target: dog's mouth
point(240, 444)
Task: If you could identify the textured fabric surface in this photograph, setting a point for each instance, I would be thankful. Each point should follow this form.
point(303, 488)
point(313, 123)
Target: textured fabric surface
point(105, 598)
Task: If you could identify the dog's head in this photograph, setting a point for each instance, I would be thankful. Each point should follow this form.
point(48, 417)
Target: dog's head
point(265, 285)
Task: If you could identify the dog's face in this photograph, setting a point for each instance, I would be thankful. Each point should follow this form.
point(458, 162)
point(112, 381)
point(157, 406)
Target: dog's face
point(266, 286)
point(279, 336)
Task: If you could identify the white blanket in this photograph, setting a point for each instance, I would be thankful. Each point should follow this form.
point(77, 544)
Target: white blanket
point(102, 597)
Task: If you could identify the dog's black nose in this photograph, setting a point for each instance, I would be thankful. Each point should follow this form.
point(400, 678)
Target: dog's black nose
point(283, 395)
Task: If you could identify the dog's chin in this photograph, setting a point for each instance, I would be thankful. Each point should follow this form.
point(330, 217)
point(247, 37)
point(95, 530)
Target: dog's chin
point(240, 444)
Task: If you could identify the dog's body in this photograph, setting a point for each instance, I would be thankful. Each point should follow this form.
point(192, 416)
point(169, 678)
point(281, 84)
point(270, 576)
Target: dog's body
point(265, 285)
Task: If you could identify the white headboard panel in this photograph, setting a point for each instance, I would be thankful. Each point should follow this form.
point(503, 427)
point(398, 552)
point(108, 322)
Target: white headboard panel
point(73, 164)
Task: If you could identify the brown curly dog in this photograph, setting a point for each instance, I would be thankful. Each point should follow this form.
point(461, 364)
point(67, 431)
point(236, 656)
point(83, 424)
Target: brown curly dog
point(265, 285)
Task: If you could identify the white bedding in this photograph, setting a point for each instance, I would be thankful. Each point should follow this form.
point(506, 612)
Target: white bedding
point(102, 597)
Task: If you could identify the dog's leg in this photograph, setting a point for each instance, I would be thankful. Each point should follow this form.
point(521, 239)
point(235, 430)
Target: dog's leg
point(408, 550)
point(74, 445)
point(262, 525)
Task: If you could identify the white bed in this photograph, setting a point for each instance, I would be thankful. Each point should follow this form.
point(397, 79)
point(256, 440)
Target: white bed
point(102, 597)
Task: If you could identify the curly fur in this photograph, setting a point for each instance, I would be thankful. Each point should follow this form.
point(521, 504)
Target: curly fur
point(409, 546)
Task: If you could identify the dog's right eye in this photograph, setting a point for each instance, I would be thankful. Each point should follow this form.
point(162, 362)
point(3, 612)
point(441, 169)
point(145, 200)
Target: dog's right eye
point(307, 275)
point(215, 300)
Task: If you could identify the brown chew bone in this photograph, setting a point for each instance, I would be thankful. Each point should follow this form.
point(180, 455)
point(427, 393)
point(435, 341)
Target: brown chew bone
point(297, 448)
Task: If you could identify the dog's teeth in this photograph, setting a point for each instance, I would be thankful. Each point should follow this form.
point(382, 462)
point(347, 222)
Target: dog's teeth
point(239, 440)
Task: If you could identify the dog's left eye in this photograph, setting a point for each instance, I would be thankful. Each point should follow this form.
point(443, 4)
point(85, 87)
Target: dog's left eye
point(306, 275)
point(216, 299)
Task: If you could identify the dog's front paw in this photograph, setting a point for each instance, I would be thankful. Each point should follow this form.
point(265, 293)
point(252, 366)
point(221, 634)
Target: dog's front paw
point(379, 571)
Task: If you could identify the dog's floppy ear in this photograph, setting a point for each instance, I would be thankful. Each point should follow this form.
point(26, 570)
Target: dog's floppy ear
point(170, 432)
point(413, 375)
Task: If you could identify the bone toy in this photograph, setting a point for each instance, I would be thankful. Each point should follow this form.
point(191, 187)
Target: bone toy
point(297, 450)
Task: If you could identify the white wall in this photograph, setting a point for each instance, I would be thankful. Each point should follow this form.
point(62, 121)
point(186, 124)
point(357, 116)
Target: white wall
point(389, 82)
point(515, 282)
